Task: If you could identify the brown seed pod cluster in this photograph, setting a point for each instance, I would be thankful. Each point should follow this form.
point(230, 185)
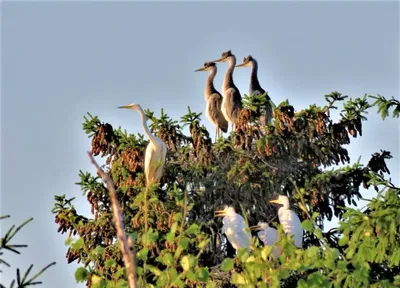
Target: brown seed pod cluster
point(202, 143)
point(285, 115)
point(170, 136)
point(247, 130)
point(339, 133)
point(66, 220)
point(133, 159)
point(72, 255)
point(321, 123)
point(103, 139)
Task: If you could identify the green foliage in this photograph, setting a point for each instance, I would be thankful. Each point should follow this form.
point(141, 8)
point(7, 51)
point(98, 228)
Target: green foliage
point(21, 281)
point(177, 239)
point(384, 106)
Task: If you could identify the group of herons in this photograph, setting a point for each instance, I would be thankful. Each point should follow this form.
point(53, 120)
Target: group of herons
point(220, 110)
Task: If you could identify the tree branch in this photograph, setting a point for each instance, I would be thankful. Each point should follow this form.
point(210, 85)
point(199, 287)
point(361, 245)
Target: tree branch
point(128, 255)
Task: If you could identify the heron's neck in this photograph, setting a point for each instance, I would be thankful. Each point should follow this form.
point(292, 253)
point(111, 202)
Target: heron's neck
point(228, 80)
point(146, 129)
point(254, 84)
point(210, 89)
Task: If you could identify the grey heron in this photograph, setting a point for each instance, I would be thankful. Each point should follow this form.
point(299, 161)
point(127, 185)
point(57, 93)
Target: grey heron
point(232, 100)
point(255, 87)
point(213, 101)
point(156, 151)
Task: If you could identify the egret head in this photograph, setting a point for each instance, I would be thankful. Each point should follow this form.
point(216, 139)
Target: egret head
point(282, 200)
point(260, 226)
point(208, 66)
point(132, 106)
point(225, 56)
point(227, 211)
point(247, 62)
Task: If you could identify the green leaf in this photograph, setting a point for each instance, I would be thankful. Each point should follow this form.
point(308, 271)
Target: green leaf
point(202, 274)
point(211, 285)
point(190, 275)
point(184, 243)
point(307, 225)
point(193, 229)
point(185, 263)
point(343, 241)
point(111, 263)
point(122, 284)
point(81, 274)
point(227, 264)
point(99, 250)
point(78, 244)
point(68, 241)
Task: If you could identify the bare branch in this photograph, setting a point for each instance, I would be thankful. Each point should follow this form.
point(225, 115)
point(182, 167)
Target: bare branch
point(128, 255)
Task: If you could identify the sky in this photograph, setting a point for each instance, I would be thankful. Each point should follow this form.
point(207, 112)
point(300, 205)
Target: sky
point(61, 60)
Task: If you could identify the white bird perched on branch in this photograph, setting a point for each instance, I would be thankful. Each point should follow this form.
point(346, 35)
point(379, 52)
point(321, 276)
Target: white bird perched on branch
point(289, 220)
point(156, 151)
point(268, 236)
point(235, 228)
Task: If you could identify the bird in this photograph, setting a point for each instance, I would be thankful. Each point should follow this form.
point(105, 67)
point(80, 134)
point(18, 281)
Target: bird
point(268, 236)
point(156, 150)
point(234, 227)
point(213, 101)
point(232, 100)
point(289, 220)
point(255, 87)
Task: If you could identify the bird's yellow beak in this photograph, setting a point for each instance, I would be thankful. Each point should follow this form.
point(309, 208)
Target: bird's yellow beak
point(275, 201)
point(219, 213)
point(240, 65)
point(124, 107)
point(200, 69)
point(218, 60)
point(256, 227)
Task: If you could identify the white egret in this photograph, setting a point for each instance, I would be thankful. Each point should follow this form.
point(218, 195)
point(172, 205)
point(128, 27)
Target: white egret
point(235, 228)
point(268, 236)
point(289, 220)
point(156, 151)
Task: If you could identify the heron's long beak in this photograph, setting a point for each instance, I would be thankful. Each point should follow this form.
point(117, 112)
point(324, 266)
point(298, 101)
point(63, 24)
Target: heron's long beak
point(218, 60)
point(256, 227)
point(200, 69)
point(219, 213)
point(240, 65)
point(275, 201)
point(123, 107)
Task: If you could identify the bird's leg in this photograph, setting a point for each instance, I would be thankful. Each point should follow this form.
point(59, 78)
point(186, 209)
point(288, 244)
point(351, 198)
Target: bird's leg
point(216, 134)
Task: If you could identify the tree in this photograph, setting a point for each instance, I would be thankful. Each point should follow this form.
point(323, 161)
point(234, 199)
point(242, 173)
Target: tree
point(177, 239)
point(5, 244)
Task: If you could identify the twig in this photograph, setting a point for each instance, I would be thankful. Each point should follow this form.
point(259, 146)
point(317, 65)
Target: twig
point(128, 255)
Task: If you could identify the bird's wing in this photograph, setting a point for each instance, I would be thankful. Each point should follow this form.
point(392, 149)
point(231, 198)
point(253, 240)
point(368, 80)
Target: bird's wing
point(233, 103)
point(297, 229)
point(214, 110)
point(271, 236)
point(155, 159)
point(292, 226)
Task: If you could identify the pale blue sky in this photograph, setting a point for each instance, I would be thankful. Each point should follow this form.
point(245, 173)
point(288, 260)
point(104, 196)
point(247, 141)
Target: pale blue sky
point(60, 60)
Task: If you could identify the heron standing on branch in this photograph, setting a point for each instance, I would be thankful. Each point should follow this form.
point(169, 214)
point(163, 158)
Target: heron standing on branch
point(156, 151)
point(213, 101)
point(289, 220)
point(256, 89)
point(232, 100)
point(235, 228)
